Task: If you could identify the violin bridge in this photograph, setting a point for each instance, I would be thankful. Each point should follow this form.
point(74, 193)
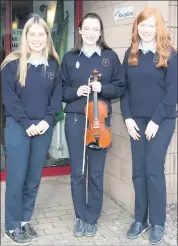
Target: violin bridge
point(96, 124)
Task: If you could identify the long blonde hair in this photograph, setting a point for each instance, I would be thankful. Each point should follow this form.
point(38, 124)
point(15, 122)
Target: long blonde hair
point(23, 52)
point(163, 39)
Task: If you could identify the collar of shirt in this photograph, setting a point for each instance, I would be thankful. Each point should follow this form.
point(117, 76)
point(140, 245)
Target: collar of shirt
point(43, 60)
point(98, 51)
point(151, 48)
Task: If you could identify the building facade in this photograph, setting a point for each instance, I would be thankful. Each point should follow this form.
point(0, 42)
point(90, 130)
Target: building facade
point(118, 18)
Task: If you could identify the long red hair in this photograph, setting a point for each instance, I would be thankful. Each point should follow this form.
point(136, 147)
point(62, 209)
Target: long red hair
point(163, 39)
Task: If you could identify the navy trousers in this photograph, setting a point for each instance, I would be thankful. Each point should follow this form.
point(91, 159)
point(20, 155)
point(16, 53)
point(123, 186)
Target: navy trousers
point(89, 210)
point(148, 158)
point(25, 159)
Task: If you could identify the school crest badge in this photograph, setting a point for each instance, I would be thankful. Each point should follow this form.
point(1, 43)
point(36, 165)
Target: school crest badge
point(105, 62)
point(77, 65)
point(50, 75)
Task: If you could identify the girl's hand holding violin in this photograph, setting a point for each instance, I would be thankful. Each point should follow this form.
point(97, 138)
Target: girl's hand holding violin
point(83, 90)
point(96, 86)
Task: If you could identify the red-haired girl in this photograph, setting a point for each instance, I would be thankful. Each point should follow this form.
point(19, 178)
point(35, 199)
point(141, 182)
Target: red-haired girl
point(149, 111)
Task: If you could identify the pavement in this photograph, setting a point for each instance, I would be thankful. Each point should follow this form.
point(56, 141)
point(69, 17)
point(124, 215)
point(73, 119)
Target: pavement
point(54, 218)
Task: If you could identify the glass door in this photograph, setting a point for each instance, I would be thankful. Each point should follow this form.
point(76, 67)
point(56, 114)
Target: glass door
point(5, 48)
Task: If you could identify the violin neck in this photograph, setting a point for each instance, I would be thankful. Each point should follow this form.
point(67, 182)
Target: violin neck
point(95, 103)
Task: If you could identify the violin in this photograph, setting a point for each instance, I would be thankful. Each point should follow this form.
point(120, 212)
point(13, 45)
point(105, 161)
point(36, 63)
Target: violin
point(98, 135)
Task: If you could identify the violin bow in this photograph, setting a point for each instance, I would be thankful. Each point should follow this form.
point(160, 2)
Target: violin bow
point(85, 135)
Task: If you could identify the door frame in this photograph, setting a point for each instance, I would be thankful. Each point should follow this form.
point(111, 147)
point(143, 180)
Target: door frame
point(78, 12)
point(8, 26)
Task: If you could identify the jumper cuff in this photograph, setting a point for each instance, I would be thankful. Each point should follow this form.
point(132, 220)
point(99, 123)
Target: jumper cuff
point(157, 119)
point(26, 123)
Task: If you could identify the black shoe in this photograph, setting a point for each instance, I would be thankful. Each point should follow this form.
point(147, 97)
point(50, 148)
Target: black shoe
point(137, 229)
point(79, 228)
point(18, 237)
point(30, 231)
point(156, 234)
point(90, 230)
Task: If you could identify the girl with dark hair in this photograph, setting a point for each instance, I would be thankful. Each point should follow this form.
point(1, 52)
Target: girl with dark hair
point(91, 52)
point(101, 40)
point(149, 111)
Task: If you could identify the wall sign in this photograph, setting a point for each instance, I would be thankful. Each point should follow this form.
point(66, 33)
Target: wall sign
point(16, 38)
point(123, 13)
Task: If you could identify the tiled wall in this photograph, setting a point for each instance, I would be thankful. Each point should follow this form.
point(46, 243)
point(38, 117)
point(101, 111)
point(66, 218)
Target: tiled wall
point(118, 180)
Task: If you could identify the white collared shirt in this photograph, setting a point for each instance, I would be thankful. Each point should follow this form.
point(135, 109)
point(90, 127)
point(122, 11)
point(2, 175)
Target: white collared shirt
point(98, 51)
point(151, 47)
point(42, 60)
